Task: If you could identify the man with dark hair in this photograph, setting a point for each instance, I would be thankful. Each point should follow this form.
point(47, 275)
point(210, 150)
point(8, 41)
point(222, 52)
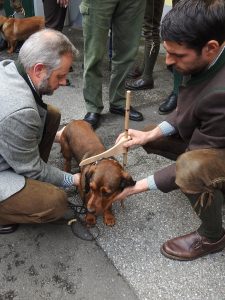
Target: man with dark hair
point(193, 34)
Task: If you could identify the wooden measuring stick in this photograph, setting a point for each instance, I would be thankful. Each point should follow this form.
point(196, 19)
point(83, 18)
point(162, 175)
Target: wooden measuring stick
point(126, 126)
point(115, 150)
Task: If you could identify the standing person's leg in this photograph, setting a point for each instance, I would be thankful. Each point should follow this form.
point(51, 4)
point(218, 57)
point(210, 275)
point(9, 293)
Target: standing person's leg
point(54, 15)
point(200, 174)
point(170, 103)
point(126, 29)
point(153, 15)
point(97, 17)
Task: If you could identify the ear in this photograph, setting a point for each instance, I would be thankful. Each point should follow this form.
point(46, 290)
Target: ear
point(88, 177)
point(126, 181)
point(211, 49)
point(38, 70)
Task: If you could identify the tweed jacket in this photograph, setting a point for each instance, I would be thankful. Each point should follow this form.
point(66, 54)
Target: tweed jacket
point(200, 116)
point(21, 128)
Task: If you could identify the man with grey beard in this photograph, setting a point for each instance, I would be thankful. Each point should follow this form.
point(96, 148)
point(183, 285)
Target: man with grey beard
point(29, 187)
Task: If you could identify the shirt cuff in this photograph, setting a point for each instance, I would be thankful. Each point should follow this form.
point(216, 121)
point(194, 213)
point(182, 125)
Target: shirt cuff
point(151, 183)
point(68, 180)
point(167, 128)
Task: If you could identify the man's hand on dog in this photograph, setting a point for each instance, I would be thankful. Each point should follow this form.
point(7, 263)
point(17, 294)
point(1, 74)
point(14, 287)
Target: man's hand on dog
point(139, 187)
point(76, 179)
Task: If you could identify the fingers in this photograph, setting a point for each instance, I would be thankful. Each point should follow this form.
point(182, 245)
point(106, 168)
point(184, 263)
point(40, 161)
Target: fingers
point(76, 179)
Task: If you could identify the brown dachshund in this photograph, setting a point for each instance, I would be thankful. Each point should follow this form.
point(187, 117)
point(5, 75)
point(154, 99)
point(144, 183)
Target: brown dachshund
point(15, 30)
point(100, 181)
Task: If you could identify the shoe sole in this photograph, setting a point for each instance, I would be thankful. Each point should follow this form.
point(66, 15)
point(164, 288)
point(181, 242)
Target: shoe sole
point(165, 113)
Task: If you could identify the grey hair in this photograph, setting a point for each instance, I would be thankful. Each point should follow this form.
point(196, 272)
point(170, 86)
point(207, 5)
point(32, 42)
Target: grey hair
point(45, 46)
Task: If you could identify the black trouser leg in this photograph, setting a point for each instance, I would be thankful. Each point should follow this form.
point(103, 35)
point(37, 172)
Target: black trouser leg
point(210, 215)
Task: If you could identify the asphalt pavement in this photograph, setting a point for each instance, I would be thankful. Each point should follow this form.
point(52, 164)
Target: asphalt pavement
point(49, 262)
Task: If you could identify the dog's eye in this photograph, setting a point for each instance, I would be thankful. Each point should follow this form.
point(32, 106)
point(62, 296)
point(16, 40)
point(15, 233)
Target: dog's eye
point(105, 194)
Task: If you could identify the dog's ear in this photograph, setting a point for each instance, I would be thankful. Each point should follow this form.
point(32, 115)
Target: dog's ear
point(126, 180)
point(88, 176)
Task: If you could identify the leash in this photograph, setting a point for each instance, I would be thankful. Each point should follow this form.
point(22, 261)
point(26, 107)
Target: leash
point(79, 227)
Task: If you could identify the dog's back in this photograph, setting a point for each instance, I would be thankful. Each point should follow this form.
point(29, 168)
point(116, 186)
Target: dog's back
point(78, 140)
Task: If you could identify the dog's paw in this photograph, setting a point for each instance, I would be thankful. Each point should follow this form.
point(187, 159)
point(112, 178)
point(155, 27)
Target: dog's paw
point(90, 219)
point(109, 219)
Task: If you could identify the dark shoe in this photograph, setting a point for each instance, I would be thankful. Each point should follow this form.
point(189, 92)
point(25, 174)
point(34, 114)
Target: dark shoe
point(135, 73)
point(168, 105)
point(93, 119)
point(3, 44)
point(134, 114)
point(191, 246)
point(4, 229)
point(140, 84)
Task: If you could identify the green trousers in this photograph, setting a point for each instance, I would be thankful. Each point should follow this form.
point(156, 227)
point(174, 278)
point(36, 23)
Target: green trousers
point(153, 15)
point(126, 19)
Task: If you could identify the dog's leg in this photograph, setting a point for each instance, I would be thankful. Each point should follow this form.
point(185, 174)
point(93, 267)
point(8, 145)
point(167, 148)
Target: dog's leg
point(66, 152)
point(11, 46)
point(109, 218)
point(90, 219)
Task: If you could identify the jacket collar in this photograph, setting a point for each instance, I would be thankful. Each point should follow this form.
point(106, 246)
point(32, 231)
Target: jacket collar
point(214, 67)
point(23, 73)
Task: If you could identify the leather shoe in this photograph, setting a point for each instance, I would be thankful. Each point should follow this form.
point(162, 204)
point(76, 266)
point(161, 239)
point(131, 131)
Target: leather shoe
point(4, 229)
point(169, 104)
point(191, 246)
point(140, 84)
point(134, 114)
point(135, 73)
point(3, 44)
point(93, 119)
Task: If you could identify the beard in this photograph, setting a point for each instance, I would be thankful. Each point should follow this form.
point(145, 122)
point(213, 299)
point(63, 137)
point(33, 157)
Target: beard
point(44, 87)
